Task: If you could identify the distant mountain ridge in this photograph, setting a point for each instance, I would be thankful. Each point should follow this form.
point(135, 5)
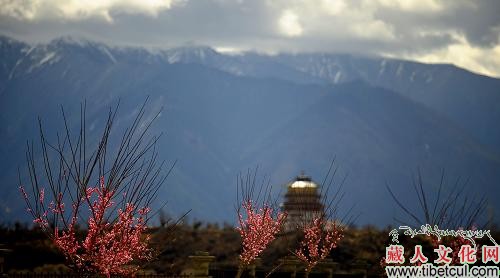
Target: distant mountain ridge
point(286, 113)
point(443, 87)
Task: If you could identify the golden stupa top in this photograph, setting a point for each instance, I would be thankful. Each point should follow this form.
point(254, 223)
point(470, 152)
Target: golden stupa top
point(303, 181)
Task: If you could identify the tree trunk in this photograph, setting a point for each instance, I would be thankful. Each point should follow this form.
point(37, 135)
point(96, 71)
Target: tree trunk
point(240, 271)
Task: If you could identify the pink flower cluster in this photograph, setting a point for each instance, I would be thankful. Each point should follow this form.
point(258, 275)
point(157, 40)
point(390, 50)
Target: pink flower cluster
point(109, 247)
point(317, 243)
point(258, 230)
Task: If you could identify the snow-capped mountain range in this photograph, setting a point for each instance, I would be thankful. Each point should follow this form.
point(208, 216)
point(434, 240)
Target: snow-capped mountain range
point(382, 118)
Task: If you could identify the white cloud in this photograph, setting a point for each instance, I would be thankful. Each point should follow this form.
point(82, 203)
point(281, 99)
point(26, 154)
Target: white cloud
point(462, 32)
point(412, 5)
point(289, 24)
point(483, 60)
point(332, 19)
point(229, 50)
point(373, 29)
point(80, 10)
point(19, 9)
point(333, 7)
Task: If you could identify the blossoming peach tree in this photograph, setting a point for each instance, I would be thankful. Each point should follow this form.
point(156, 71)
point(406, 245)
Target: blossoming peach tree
point(259, 221)
point(319, 239)
point(100, 199)
point(257, 230)
point(320, 232)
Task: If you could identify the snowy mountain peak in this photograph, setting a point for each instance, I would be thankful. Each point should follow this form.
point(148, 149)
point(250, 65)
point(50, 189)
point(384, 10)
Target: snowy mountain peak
point(190, 54)
point(71, 40)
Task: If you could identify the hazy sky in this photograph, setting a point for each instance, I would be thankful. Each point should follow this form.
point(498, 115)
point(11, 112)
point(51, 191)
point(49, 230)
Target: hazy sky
point(466, 33)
